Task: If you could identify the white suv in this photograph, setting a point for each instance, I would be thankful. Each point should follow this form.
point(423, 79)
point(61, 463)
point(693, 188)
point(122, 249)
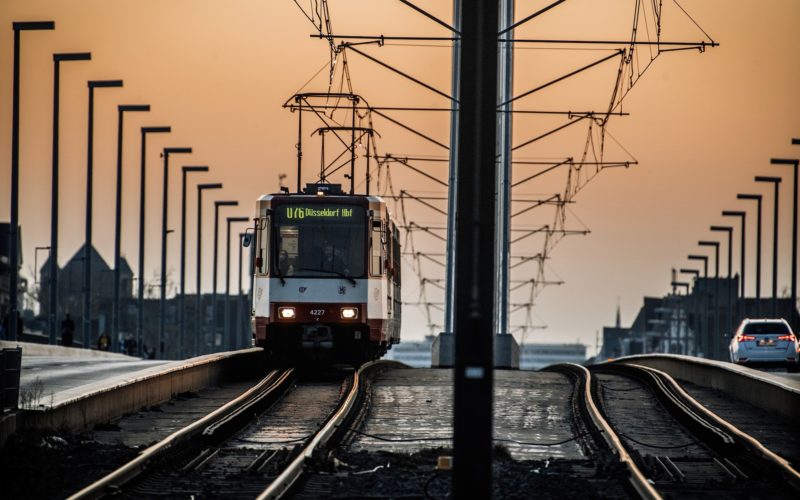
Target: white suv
point(765, 342)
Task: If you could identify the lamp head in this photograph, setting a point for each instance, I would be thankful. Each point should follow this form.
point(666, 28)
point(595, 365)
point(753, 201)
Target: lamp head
point(73, 56)
point(93, 84)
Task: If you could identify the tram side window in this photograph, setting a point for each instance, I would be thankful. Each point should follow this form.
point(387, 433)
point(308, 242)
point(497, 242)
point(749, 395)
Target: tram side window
point(262, 255)
point(377, 249)
point(396, 253)
point(288, 249)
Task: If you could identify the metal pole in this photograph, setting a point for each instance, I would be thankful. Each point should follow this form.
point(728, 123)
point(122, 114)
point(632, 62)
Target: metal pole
point(452, 180)
point(728, 289)
point(695, 308)
point(226, 330)
point(115, 309)
point(703, 340)
point(182, 299)
point(53, 278)
point(776, 183)
point(353, 149)
point(299, 146)
point(87, 255)
point(474, 287)
point(239, 326)
point(142, 191)
point(163, 285)
point(504, 134)
point(198, 301)
point(757, 198)
point(715, 340)
point(13, 230)
point(793, 163)
point(217, 204)
point(743, 215)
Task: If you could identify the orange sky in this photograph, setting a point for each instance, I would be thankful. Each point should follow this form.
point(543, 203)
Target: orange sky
point(701, 126)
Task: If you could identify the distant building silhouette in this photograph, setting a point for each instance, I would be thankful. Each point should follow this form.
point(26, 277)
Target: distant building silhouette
point(699, 324)
point(70, 291)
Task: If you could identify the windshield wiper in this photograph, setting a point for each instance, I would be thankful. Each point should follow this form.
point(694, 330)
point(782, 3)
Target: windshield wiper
point(341, 274)
point(279, 274)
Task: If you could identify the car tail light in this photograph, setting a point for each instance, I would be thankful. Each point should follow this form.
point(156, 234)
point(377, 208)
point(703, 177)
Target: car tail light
point(744, 338)
point(789, 337)
point(286, 312)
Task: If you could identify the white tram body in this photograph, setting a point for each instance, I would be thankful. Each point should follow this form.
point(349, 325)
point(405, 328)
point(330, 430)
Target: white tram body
point(326, 280)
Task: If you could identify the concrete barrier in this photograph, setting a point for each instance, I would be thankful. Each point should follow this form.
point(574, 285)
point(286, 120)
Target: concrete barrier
point(34, 349)
point(79, 409)
point(760, 389)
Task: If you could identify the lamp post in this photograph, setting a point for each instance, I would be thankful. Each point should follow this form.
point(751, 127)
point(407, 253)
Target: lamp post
point(239, 323)
point(716, 330)
point(181, 306)
point(743, 216)
point(226, 330)
point(794, 163)
point(757, 198)
point(679, 311)
point(695, 308)
point(776, 181)
point(164, 205)
point(198, 303)
point(703, 341)
point(217, 204)
point(53, 281)
point(13, 230)
point(121, 109)
point(87, 255)
point(142, 191)
point(728, 289)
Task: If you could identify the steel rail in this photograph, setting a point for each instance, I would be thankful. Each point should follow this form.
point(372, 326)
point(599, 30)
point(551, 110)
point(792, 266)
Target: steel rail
point(746, 440)
point(284, 482)
point(112, 482)
point(636, 478)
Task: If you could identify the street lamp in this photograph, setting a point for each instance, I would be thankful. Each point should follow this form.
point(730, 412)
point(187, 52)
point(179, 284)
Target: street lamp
point(680, 317)
point(757, 198)
point(217, 204)
point(729, 230)
point(776, 183)
point(142, 190)
point(695, 308)
point(181, 307)
point(227, 329)
point(794, 163)
point(716, 330)
point(121, 109)
point(703, 341)
point(13, 230)
point(743, 216)
point(239, 323)
point(53, 281)
point(163, 301)
point(200, 189)
point(87, 261)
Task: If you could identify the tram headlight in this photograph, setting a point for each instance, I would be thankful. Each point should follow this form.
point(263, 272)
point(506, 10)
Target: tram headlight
point(349, 312)
point(286, 312)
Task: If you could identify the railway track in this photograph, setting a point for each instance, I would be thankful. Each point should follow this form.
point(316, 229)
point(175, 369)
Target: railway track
point(603, 444)
point(681, 446)
point(241, 450)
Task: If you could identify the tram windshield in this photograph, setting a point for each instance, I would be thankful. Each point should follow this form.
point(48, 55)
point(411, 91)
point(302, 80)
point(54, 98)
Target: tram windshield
point(319, 240)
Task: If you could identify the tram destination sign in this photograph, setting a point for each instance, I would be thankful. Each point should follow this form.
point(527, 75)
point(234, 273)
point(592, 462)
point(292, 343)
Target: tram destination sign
point(293, 212)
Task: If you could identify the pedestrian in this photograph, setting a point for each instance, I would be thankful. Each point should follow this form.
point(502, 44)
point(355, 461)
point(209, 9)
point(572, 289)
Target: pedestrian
point(11, 336)
point(67, 331)
point(130, 345)
point(3, 324)
point(104, 341)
